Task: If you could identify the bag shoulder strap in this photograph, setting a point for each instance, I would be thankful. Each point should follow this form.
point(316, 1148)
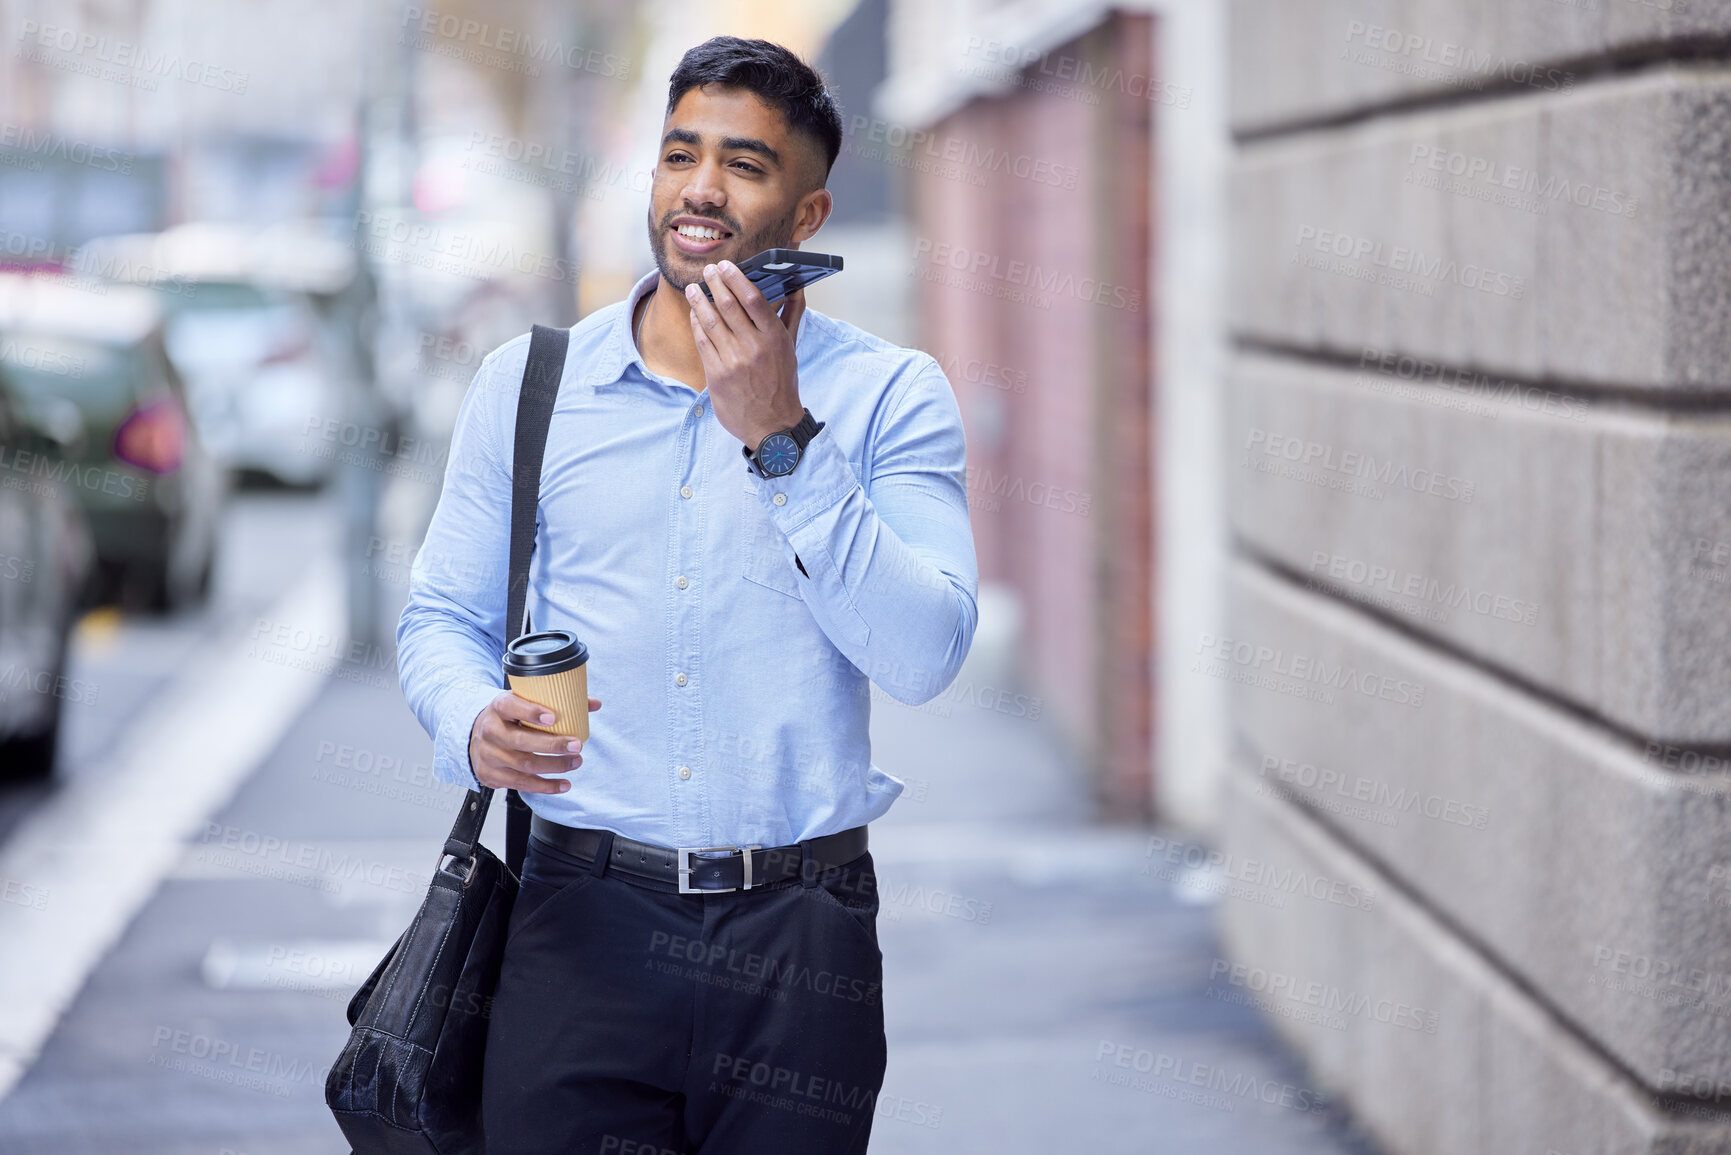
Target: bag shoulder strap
point(534, 410)
point(540, 389)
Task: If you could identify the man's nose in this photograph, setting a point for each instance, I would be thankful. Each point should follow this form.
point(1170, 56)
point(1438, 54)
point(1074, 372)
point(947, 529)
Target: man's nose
point(704, 187)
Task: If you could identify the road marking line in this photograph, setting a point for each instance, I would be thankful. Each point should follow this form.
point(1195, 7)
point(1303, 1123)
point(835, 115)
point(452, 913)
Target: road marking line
point(310, 965)
point(348, 873)
point(96, 851)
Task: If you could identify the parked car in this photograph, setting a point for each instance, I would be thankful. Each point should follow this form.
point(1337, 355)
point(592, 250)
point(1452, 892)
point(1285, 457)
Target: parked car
point(87, 367)
point(46, 560)
point(261, 366)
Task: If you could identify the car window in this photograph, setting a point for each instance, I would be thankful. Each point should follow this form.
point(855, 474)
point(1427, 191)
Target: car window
point(8, 421)
point(43, 372)
point(200, 339)
point(188, 297)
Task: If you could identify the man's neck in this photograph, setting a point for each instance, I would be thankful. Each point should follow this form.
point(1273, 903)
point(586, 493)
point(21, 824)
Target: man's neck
point(665, 337)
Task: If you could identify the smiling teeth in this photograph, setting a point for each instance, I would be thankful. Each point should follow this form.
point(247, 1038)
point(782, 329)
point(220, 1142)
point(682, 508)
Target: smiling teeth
point(699, 233)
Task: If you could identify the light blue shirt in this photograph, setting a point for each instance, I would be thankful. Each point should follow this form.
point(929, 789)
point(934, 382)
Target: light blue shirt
point(735, 688)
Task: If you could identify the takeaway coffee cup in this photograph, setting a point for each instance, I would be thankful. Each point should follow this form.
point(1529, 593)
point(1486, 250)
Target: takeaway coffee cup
point(551, 669)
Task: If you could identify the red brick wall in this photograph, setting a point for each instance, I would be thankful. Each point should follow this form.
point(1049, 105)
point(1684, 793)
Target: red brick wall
point(1056, 390)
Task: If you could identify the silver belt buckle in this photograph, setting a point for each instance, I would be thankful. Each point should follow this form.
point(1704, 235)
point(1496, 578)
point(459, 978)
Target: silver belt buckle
point(680, 862)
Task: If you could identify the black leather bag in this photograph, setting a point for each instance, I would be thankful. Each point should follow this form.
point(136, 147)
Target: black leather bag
point(409, 1080)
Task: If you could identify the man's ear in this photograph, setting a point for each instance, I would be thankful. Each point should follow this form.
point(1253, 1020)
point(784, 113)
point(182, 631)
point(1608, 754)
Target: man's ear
point(810, 214)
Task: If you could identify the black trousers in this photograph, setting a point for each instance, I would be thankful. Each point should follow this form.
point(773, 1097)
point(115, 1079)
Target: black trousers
point(630, 1020)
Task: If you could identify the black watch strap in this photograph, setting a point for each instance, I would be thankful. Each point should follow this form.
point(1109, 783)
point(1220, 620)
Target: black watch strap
point(802, 432)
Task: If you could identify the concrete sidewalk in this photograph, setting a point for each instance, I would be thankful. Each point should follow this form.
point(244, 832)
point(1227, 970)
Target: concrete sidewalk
point(1074, 1011)
point(1044, 991)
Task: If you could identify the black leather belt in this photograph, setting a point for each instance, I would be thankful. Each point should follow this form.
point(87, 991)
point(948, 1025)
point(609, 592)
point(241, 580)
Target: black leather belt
point(703, 869)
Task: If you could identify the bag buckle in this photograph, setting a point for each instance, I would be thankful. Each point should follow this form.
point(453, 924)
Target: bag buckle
point(683, 869)
point(448, 864)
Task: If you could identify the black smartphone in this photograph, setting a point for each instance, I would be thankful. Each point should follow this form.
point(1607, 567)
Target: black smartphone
point(778, 272)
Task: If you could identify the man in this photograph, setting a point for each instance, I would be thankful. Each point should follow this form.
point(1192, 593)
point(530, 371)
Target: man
point(735, 614)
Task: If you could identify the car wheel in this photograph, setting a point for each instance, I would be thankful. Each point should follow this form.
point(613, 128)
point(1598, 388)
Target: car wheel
point(170, 595)
point(30, 757)
point(145, 586)
point(105, 583)
point(201, 589)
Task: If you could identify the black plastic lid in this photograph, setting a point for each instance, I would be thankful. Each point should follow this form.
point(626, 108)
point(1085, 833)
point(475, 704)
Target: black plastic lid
point(548, 652)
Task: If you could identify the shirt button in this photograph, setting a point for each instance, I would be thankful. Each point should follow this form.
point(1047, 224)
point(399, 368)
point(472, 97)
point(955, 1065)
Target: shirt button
point(781, 499)
point(685, 491)
point(697, 411)
point(682, 583)
point(685, 771)
point(682, 679)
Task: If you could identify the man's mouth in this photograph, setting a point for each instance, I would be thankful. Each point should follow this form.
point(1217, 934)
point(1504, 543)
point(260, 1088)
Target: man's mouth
point(698, 237)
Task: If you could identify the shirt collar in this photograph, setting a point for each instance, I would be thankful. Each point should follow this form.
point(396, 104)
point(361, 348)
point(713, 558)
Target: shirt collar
point(618, 349)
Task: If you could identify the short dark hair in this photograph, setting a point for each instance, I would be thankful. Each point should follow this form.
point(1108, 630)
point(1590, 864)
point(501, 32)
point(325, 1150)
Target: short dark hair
point(772, 74)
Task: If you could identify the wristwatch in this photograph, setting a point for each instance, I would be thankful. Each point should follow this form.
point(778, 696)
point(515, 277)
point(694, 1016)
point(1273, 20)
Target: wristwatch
point(779, 454)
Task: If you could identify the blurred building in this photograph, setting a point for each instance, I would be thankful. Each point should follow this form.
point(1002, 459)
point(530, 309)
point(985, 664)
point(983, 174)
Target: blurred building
point(1062, 162)
point(128, 116)
point(1477, 647)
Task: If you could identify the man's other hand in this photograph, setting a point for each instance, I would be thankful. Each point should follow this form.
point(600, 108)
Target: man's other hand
point(509, 756)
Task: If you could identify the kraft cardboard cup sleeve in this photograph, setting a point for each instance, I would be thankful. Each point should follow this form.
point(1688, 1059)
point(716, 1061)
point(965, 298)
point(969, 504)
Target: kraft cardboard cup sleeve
point(552, 669)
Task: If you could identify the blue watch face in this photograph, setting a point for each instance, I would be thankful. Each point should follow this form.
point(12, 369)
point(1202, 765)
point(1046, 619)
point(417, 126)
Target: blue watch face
point(778, 454)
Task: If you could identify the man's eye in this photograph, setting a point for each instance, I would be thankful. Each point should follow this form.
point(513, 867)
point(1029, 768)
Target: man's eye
point(751, 168)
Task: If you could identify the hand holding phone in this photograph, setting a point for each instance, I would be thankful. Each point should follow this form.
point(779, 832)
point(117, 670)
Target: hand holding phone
point(778, 272)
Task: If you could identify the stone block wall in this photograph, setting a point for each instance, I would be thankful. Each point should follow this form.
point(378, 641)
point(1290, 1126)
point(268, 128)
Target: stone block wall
point(1479, 646)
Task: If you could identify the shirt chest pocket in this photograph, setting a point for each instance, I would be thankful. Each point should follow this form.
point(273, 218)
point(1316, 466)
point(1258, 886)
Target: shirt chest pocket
point(766, 556)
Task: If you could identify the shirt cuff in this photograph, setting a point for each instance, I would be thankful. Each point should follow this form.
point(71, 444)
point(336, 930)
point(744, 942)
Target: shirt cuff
point(822, 478)
point(451, 751)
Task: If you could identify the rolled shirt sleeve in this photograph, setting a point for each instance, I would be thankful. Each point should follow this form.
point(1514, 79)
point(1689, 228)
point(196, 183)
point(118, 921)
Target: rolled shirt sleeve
point(890, 575)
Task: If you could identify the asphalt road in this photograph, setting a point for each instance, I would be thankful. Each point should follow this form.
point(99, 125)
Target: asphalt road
point(269, 541)
point(1044, 989)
